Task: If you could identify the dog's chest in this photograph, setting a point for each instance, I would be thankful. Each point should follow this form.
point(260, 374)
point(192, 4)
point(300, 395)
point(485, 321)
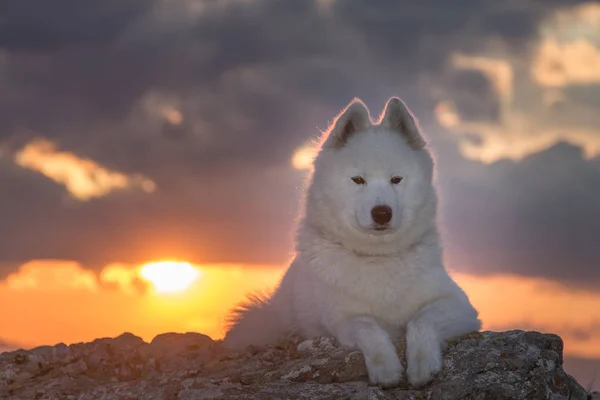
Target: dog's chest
point(390, 289)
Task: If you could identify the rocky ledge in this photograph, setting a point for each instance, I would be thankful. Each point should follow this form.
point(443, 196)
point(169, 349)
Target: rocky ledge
point(488, 365)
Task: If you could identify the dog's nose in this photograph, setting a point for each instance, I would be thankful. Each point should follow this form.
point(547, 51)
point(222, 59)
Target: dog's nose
point(381, 214)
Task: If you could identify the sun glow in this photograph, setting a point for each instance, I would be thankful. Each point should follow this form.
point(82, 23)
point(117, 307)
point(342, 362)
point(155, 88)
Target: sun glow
point(170, 276)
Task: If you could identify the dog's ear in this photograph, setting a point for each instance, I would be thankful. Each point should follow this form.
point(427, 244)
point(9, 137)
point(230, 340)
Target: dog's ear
point(354, 118)
point(397, 117)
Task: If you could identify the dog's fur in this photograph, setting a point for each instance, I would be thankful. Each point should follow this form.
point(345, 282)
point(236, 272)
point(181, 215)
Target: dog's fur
point(362, 282)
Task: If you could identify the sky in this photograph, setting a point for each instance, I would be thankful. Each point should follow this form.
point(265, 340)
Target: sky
point(139, 131)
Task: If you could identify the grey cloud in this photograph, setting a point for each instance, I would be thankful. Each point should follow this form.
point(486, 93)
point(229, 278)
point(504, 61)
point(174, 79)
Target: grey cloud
point(474, 96)
point(253, 81)
point(43, 26)
point(99, 82)
point(536, 217)
point(213, 219)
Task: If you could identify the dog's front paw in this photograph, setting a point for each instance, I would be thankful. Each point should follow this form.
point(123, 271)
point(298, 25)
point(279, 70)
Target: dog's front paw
point(384, 368)
point(423, 356)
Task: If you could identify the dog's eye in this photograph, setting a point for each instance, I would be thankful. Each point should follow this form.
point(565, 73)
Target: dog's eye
point(359, 180)
point(396, 180)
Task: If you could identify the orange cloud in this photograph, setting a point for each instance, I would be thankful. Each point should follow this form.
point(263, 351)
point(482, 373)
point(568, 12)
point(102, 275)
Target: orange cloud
point(123, 277)
point(84, 179)
point(447, 115)
point(568, 53)
point(573, 21)
point(559, 64)
point(172, 115)
point(51, 276)
point(303, 157)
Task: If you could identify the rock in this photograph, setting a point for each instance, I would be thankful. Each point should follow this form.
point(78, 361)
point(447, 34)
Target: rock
point(172, 351)
point(487, 365)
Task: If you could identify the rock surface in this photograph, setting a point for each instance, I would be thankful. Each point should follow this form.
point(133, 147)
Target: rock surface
point(487, 365)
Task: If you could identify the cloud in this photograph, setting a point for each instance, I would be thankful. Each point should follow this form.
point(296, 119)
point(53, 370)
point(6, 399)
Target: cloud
point(125, 278)
point(84, 179)
point(562, 64)
point(51, 275)
point(200, 219)
point(29, 25)
point(234, 76)
point(211, 103)
point(62, 276)
point(508, 116)
point(535, 217)
point(532, 100)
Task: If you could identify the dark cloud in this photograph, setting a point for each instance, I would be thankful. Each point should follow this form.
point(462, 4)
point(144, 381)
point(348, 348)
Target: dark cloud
point(225, 64)
point(209, 222)
point(535, 217)
point(52, 26)
point(253, 80)
point(475, 98)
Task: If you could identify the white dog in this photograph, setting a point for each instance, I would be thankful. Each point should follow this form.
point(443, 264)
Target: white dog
point(368, 264)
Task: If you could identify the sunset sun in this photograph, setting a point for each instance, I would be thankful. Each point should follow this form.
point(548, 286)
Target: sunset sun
point(170, 276)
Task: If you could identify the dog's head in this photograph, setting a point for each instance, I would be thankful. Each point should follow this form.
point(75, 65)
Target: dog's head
point(370, 181)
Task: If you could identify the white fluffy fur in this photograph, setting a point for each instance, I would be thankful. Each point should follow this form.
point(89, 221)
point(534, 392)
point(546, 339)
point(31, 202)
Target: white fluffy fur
point(363, 286)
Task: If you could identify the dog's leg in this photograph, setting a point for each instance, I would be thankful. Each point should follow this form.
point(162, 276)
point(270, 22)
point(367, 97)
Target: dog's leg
point(428, 331)
point(381, 357)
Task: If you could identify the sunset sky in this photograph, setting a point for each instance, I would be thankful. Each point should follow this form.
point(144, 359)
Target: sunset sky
point(144, 136)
